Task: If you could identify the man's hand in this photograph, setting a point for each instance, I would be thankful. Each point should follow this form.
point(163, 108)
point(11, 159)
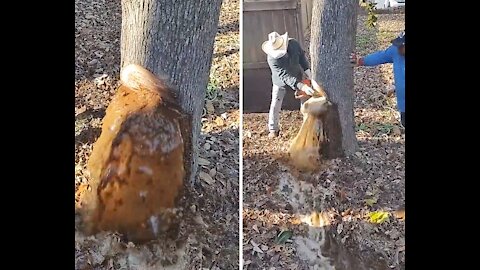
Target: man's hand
point(307, 90)
point(355, 60)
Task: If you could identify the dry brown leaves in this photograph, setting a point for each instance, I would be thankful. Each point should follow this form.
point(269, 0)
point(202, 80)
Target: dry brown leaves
point(225, 63)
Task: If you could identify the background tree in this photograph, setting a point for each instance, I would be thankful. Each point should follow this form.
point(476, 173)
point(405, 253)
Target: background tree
point(333, 31)
point(174, 39)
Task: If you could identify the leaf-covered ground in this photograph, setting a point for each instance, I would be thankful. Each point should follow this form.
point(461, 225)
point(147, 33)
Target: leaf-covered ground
point(208, 237)
point(349, 214)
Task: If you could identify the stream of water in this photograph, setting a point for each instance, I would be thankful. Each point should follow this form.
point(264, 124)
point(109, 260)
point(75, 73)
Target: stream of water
point(319, 248)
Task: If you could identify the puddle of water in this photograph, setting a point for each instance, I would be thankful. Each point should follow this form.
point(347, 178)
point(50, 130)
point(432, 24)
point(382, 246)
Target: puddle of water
point(310, 249)
point(294, 191)
point(137, 259)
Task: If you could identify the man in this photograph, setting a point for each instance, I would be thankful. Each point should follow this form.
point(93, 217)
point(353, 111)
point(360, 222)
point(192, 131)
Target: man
point(394, 54)
point(287, 62)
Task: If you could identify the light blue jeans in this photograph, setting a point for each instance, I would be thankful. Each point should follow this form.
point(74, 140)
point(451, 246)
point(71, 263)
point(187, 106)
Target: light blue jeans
point(278, 93)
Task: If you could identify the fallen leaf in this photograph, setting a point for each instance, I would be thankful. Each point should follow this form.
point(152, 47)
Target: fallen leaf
point(199, 220)
point(256, 247)
point(212, 172)
point(370, 202)
point(206, 146)
point(340, 228)
point(378, 217)
point(399, 214)
point(400, 242)
point(275, 258)
point(206, 177)
point(219, 121)
point(203, 162)
point(283, 236)
point(396, 130)
point(271, 252)
point(80, 110)
point(394, 234)
point(209, 106)
point(255, 228)
point(343, 195)
point(294, 266)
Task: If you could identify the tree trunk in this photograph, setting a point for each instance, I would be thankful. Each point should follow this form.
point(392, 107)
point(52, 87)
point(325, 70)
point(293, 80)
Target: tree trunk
point(174, 39)
point(333, 34)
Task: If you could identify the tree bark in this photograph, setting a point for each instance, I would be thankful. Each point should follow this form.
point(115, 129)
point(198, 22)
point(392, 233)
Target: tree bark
point(174, 39)
point(333, 32)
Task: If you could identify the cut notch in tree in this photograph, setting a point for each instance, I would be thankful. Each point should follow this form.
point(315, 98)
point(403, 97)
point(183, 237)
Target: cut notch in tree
point(333, 32)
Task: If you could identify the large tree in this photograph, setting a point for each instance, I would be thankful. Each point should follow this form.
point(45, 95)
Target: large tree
point(174, 39)
point(333, 31)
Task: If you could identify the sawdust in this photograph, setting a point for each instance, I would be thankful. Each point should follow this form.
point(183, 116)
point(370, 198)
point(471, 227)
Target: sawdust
point(304, 150)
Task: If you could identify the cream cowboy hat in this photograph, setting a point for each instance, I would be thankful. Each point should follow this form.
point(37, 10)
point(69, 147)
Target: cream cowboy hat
point(276, 45)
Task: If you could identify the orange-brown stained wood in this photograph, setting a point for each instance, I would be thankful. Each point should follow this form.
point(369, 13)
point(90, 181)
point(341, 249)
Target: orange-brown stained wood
point(137, 163)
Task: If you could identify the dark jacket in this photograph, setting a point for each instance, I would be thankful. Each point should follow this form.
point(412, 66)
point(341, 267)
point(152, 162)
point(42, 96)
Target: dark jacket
point(287, 70)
